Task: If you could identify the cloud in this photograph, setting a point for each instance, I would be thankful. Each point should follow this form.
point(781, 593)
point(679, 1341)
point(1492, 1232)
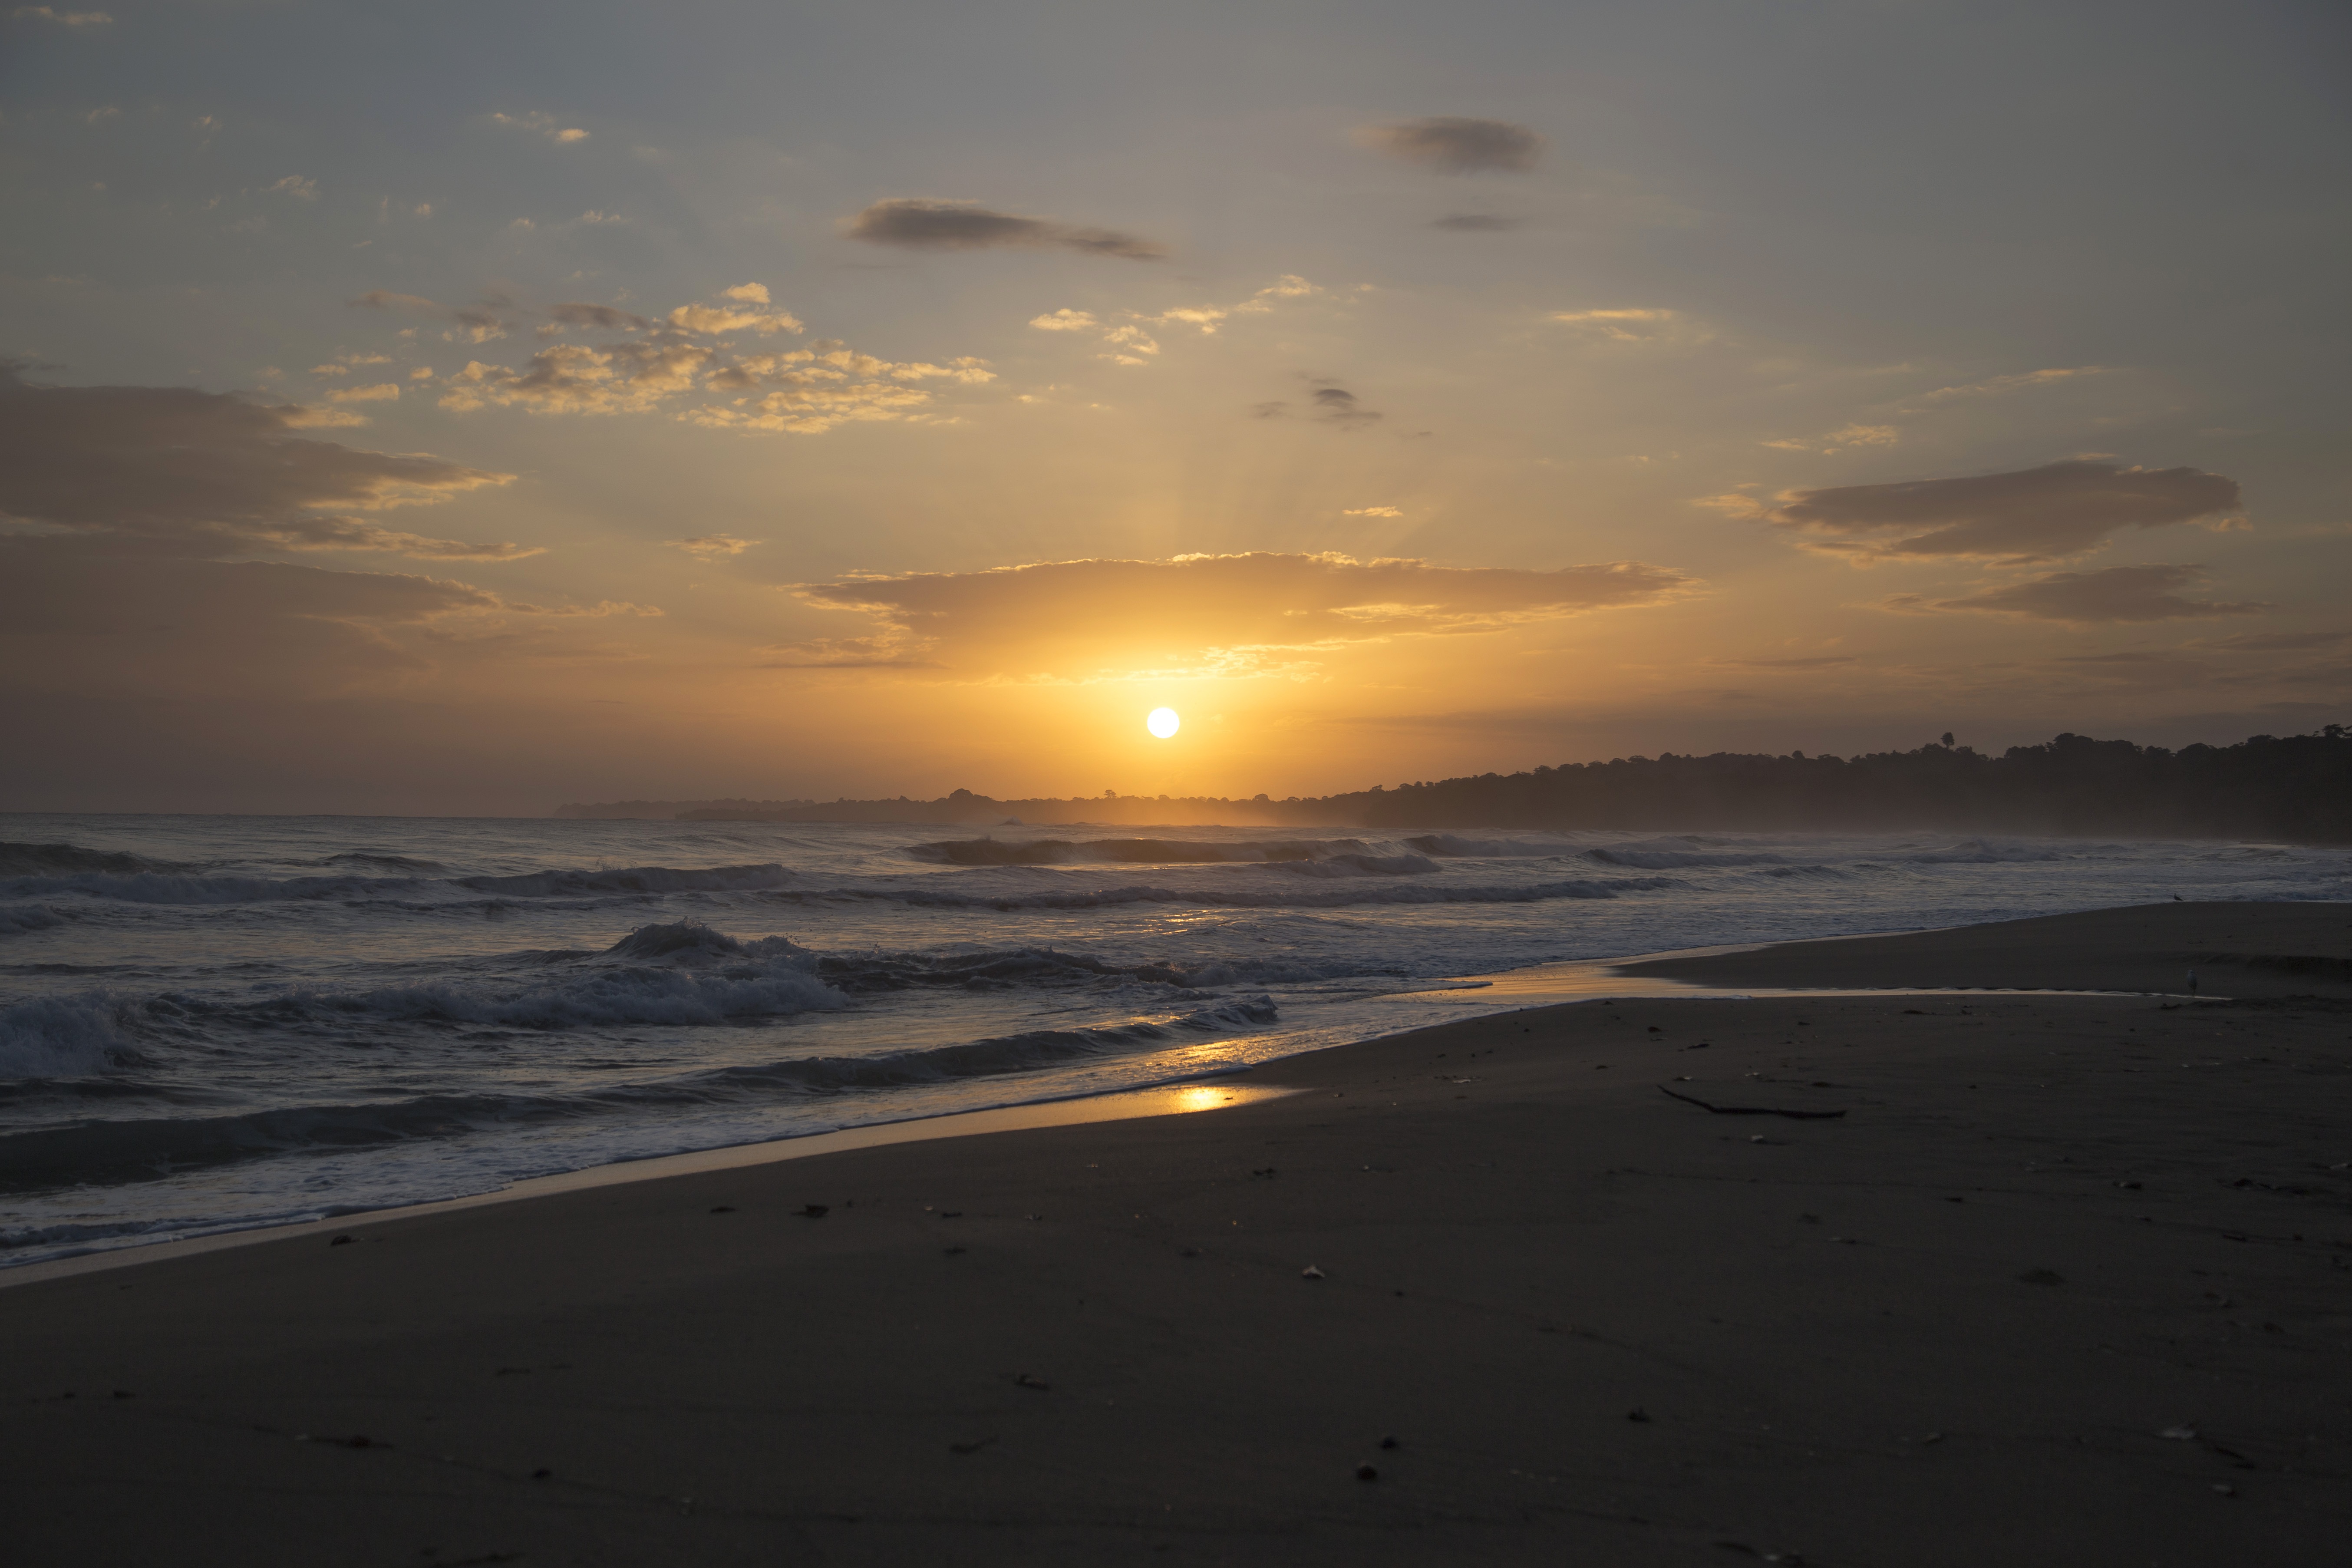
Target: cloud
point(385, 299)
point(2116, 593)
point(353, 533)
point(1207, 318)
point(1452, 144)
point(1821, 661)
point(920, 225)
point(183, 472)
point(603, 318)
point(1259, 613)
point(2048, 513)
point(341, 364)
point(382, 392)
point(574, 378)
point(81, 622)
point(1475, 223)
point(804, 391)
point(1129, 341)
point(481, 326)
point(298, 187)
point(848, 653)
point(600, 610)
point(813, 410)
point(63, 18)
point(1340, 406)
point(2278, 642)
point(1371, 512)
point(1840, 440)
point(816, 388)
point(1633, 324)
point(713, 320)
point(1329, 404)
point(541, 124)
point(2000, 384)
point(711, 546)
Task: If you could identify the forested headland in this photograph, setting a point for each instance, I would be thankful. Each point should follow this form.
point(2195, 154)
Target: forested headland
point(2296, 787)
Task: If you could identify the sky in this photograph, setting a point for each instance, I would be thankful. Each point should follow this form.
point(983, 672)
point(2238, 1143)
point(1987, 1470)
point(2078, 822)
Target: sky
point(466, 408)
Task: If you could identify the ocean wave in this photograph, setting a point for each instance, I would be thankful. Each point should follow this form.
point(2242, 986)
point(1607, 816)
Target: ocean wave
point(1982, 852)
point(680, 975)
point(64, 859)
point(1358, 866)
point(368, 859)
point(1245, 898)
point(17, 919)
point(158, 886)
point(1129, 851)
point(1455, 846)
point(634, 879)
point(1678, 860)
point(129, 1149)
point(63, 1037)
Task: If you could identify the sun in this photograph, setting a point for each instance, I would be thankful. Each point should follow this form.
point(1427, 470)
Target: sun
point(1163, 722)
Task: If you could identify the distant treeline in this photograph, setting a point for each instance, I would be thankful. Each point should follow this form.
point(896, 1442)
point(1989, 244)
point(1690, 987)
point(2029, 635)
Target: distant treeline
point(2298, 788)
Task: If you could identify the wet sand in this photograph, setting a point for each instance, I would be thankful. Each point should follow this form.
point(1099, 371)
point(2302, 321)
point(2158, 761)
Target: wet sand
point(2069, 1281)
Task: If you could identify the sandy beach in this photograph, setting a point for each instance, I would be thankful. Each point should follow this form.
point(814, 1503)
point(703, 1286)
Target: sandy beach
point(2030, 1280)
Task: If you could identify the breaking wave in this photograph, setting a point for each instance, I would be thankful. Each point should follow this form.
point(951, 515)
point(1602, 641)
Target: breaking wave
point(65, 859)
point(17, 920)
point(682, 974)
point(1455, 845)
point(60, 1037)
point(1981, 852)
point(118, 1150)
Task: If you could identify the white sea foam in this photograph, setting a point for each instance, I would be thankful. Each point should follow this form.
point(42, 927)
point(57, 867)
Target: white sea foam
point(60, 1037)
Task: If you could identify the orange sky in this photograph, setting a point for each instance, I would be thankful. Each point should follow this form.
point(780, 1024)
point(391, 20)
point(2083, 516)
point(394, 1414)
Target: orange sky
point(772, 406)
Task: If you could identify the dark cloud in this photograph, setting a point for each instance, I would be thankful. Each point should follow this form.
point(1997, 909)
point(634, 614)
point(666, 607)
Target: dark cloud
point(1340, 406)
point(1455, 145)
point(2117, 594)
point(1475, 223)
point(81, 622)
point(603, 318)
point(1329, 403)
point(1250, 614)
point(919, 225)
point(2035, 514)
point(202, 473)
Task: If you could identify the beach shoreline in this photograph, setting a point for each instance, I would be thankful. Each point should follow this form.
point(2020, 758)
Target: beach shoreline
point(1691, 972)
point(1958, 1308)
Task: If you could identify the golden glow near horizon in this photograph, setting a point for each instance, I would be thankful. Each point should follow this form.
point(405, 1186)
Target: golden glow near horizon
point(1163, 723)
point(695, 415)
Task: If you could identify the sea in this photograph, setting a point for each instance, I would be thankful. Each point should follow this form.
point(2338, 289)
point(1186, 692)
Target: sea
point(221, 1022)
